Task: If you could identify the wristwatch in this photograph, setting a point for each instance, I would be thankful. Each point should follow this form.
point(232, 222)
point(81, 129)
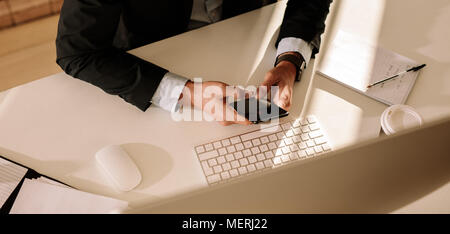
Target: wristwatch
point(297, 60)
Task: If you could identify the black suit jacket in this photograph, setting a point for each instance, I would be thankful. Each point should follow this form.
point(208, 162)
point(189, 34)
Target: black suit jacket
point(94, 35)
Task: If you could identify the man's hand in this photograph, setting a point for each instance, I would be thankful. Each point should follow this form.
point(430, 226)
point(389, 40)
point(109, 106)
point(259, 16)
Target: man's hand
point(211, 98)
point(283, 76)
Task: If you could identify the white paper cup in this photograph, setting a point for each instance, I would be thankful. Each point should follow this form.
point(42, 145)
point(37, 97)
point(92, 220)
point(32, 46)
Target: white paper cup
point(399, 117)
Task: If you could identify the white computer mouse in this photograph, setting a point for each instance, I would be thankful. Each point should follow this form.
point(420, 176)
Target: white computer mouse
point(119, 167)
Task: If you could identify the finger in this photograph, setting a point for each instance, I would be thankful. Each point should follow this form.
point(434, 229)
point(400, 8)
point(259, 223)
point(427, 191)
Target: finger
point(284, 99)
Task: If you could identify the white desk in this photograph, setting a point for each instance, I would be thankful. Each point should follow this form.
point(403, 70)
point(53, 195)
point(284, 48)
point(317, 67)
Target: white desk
point(56, 124)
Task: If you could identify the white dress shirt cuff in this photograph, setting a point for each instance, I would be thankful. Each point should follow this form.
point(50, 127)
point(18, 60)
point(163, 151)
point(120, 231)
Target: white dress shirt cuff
point(169, 91)
point(289, 44)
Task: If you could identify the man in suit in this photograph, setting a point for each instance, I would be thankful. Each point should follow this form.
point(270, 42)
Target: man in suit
point(94, 35)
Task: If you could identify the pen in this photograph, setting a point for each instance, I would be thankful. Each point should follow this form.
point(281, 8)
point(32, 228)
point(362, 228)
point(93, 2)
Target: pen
point(416, 68)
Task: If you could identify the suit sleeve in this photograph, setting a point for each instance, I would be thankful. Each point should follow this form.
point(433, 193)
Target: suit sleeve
point(305, 19)
point(85, 50)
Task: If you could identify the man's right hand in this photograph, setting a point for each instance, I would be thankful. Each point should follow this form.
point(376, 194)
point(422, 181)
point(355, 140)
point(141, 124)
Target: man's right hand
point(211, 98)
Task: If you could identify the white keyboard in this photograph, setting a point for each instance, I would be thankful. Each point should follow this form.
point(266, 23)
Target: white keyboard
point(262, 149)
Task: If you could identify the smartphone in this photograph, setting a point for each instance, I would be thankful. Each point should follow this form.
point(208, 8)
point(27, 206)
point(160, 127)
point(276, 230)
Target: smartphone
point(256, 110)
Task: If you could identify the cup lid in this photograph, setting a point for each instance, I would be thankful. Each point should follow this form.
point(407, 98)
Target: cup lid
point(399, 117)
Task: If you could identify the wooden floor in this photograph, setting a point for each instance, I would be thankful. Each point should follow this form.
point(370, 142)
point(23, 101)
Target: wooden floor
point(27, 52)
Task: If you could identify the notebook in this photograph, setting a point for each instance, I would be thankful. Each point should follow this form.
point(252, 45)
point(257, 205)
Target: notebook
point(354, 62)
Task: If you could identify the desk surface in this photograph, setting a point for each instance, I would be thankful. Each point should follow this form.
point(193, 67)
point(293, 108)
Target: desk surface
point(47, 125)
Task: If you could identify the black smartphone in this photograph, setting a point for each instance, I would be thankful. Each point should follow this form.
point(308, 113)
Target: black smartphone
point(256, 110)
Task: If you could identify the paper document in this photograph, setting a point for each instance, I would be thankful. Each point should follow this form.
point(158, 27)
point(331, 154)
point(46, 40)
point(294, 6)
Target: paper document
point(356, 63)
point(10, 176)
point(42, 197)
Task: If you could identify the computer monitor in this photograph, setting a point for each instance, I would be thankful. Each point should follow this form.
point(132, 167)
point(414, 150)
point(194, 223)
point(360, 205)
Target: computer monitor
point(376, 176)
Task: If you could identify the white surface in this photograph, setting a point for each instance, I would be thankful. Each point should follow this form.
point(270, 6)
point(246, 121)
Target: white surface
point(353, 62)
point(57, 124)
point(119, 167)
point(10, 176)
point(37, 197)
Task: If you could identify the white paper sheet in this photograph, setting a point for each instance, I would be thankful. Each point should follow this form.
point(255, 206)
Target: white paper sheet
point(41, 197)
point(354, 62)
point(10, 176)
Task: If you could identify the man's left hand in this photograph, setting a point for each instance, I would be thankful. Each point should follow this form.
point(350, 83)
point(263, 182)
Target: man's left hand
point(283, 76)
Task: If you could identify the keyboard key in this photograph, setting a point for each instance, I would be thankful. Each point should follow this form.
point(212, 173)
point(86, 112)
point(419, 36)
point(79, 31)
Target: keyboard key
point(303, 122)
point(285, 158)
point(268, 163)
point(313, 127)
point(226, 142)
point(252, 159)
point(217, 144)
point(280, 135)
point(310, 143)
point(243, 170)
point(225, 175)
point(297, 131)
point(301, 154)
point(320, 140)
point(238, 155)
point(264, 140)
point(293, 147)
point(286, 126)
point(256, 142)
point(259, 165)
point(280, 143)
point(318, 149)
point(302, 145)
point(260, 133)
point(231, 149)
point(200, 149)
point(311, 119)
point(269, 154)
point(243, 161)
point(213, 178)
point(239, 147)
point(293, 156)
point(209, 147)
point(208, 170)
point(221, 160)
point(208, 155)
point(310, 151)
point(285, 150)
point(278, 152)
point(235, 140)
point(229, 157)
point(226, 166)
point(247, 152)
point(296, 139)
point(255, 150)
point(272, 146)
point(277, 160)
point(212, 162)
point(217, 169)
point(288, 141)
point(248, 144)
point(315, 134)
point(296, 123)
point(251, 168)
point(222, 151)
point(326, 147)
point(234, 173)
point(235, 164)
point(289, 133)
point(263, 148)
point(261, 157)
point(305, 137)
point(305, 129)
point(273, 137)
